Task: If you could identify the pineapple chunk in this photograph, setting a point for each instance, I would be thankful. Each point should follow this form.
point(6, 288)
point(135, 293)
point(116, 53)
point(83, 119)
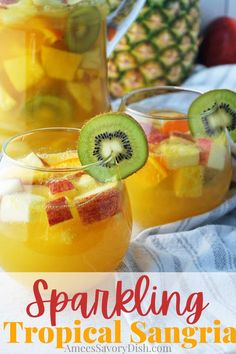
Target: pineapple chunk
point(188, 182)
point(23, 72)
point(71, 163)
point(85, 183)
point(81, 94)
point(60, 64)
point(7, 103)
point(177, 154)
point(59, 157)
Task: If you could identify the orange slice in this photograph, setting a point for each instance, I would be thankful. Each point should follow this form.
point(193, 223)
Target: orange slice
point(175, 126)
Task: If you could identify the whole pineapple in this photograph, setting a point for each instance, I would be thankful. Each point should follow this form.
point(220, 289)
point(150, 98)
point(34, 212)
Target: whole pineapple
point(159, 48)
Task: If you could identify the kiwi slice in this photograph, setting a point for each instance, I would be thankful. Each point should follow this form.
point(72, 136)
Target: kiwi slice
point(47, 110)
point(115, 143)
point(83, 26)
point(212, 112)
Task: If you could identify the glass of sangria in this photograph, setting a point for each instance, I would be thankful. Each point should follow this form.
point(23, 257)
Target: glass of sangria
point(53, 59)
point(53, 215)
point(186, 174)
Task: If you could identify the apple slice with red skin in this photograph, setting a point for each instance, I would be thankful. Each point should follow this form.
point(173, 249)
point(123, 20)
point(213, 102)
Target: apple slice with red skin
point(212, 154)
point(99, 204)
point(58, 210)
point(59, 186)
point(204, 145)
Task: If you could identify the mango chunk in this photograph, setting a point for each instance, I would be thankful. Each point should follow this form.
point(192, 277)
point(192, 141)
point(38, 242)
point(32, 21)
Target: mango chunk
point(16, 40)
point(188, 182)
point(6, 101)
point(23, 72)
point(96, 89)
point(80, 74)
point(60, 64)
point(81, 94)
point(152, 173)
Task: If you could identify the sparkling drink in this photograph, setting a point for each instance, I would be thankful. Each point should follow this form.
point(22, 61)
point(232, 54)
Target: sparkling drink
point(53, 215)
point(184, 175)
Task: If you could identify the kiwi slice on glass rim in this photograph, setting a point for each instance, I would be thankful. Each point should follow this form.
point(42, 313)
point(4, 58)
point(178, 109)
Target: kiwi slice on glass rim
point(212, 112)
point(112, 145)
point(82, 29)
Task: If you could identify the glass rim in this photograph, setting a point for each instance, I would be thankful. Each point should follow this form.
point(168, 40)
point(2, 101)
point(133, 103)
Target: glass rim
point(123, 104)
point(45, 168)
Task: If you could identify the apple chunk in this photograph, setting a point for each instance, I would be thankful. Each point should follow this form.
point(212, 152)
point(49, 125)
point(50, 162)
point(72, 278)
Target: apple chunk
point(21, 207)
point(32, 160)
point(58, 210)
point(59, 186)
point(212, 154)
point(99, 204)
point(12, 185)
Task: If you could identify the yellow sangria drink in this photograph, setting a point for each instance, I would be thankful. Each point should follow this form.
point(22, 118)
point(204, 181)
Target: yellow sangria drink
point(53, 215)
point(184, 175)
point(52, 64)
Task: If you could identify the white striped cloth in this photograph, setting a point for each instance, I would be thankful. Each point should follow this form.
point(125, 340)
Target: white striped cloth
point(203, 243)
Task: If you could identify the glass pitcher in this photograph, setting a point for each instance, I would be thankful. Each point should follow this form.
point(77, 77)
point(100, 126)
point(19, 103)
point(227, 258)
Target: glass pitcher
point(53, 67)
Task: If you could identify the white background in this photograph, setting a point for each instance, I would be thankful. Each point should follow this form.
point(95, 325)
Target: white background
point(214, 8)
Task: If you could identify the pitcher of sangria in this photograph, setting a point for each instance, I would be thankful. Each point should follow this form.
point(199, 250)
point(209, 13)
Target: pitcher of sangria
point(53, 53)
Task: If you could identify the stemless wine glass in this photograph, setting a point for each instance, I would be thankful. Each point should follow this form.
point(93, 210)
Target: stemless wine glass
point(185, 175)
point(53, 215)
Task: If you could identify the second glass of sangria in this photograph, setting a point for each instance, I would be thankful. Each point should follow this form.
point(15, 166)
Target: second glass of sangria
point(186, 174)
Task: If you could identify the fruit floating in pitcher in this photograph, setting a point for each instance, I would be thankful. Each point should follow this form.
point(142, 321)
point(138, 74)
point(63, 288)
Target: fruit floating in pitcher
point(53, 68)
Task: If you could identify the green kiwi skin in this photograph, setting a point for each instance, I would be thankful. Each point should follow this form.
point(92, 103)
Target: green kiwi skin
point(112, 122)
point(84, 16)
point(206, 101)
